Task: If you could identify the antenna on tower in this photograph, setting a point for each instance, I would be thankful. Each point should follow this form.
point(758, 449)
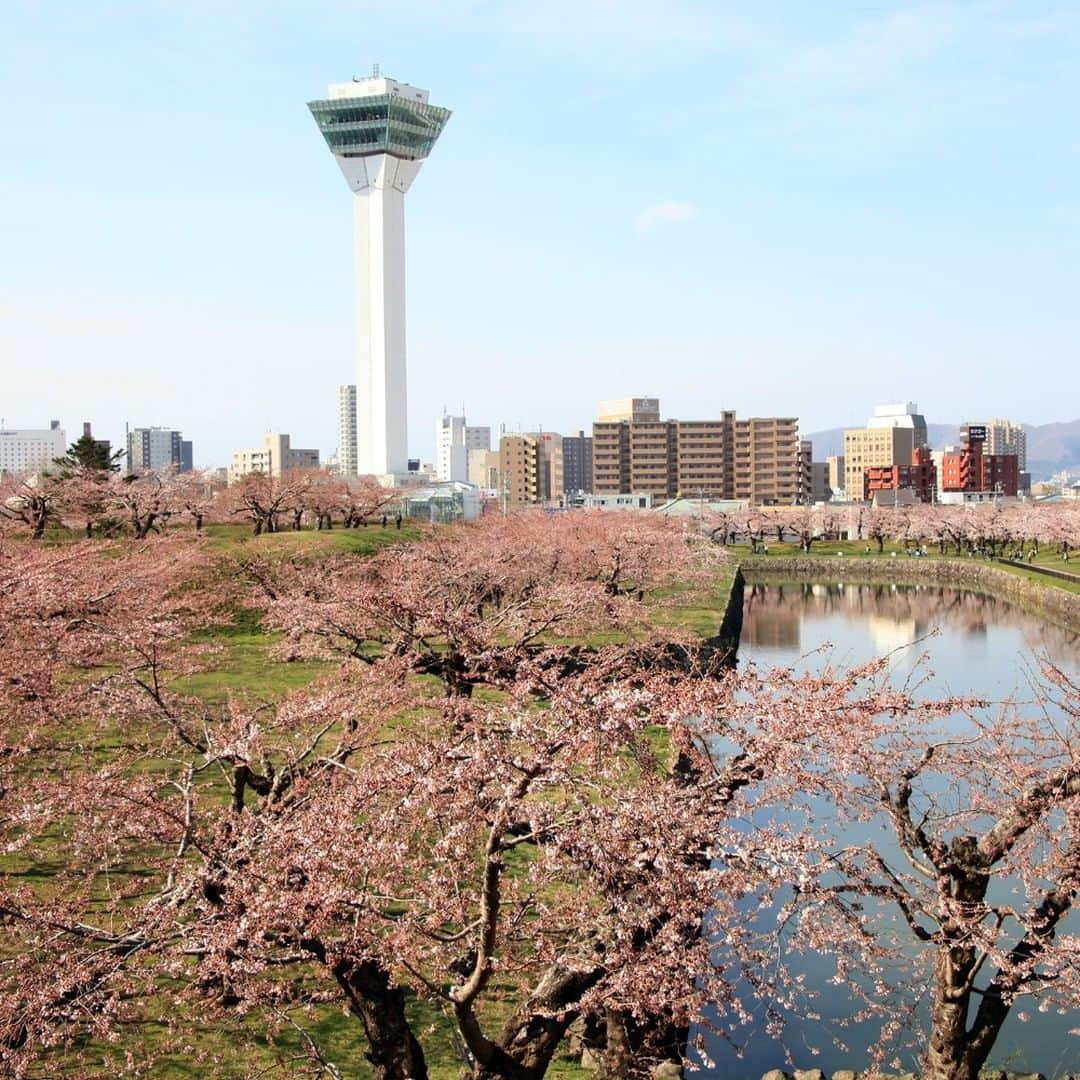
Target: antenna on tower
point(374, 71)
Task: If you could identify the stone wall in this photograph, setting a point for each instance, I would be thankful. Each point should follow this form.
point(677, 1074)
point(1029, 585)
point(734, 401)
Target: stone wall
point(1049, 602)
point(851, 1074)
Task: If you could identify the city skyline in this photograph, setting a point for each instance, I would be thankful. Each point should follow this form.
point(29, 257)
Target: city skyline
point(779, 214)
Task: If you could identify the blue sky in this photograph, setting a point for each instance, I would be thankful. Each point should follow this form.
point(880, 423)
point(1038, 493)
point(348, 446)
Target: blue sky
point(781, 208)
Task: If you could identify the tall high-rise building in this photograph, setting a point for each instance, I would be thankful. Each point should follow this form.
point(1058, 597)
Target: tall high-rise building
point(346, 454)
point(152, 449)
point(379, 131)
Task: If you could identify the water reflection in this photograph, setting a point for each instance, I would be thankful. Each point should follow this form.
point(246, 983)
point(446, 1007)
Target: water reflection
point(975, 645)
point(790, 616)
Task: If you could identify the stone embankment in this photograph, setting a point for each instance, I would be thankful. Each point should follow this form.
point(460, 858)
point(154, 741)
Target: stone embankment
point(851, 1074)
point(1054, 604)
point(723, 647)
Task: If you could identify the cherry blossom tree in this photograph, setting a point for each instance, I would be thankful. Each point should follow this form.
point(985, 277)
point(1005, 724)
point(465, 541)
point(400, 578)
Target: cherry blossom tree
point(145, 501)
point(195, 497)
point(364, 499)
point(32, 502)
point(600, 838)
point(462, 856)
point(983, 809)
point(465, 604)
point(263, 499)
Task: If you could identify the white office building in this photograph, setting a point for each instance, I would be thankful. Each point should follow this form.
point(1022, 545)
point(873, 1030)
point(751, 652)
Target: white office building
point(379, 131)
point(902, 414)
point(26, 451)
point(451, 455)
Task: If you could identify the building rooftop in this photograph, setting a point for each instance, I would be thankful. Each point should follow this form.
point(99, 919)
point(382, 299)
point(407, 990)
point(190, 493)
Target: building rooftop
point(378, 115)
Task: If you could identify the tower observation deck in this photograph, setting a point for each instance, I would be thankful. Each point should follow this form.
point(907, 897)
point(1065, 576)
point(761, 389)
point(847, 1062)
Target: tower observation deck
point(379, 131)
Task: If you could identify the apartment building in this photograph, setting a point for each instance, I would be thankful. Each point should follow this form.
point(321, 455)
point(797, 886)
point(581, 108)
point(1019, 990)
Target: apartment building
point(530, 469)
point(755, 459)
point(705, 456)
point(1006, 437)
point(767, 471)
point(274, 457)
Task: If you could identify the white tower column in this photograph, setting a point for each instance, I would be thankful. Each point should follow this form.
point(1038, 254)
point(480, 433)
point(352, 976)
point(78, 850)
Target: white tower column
point(380, 183)
point(379, 131)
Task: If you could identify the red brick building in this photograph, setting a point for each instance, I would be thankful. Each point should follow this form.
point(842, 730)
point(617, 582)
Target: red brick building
point(969, 469)
point(920, 476)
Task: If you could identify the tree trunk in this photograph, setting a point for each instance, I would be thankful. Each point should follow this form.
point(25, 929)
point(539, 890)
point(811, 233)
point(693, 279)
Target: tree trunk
point(949, 1056)
point(394, 1052)
point(946, 1057)
point(532, 1034)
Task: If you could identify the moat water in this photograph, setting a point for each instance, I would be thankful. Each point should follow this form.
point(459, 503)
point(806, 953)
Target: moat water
point(975, 645)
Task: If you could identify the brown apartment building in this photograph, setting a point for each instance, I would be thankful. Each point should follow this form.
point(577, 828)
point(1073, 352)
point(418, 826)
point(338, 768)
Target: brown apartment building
point(530, 469)
point(726, 458)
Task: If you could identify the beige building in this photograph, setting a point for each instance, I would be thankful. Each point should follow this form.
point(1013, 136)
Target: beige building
point(274, 457)
point(637, 410)
point(1007, 437)
point(484, 469)
point(767, 461)
point(756, 459)
point(530, 469)
point(866, 448)
point(835, 464)
point(890, 435)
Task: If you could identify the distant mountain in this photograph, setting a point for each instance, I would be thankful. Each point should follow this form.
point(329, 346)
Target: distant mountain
point(1051, 447)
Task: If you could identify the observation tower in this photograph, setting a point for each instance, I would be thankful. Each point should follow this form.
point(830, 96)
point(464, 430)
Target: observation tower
point(379, 131)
